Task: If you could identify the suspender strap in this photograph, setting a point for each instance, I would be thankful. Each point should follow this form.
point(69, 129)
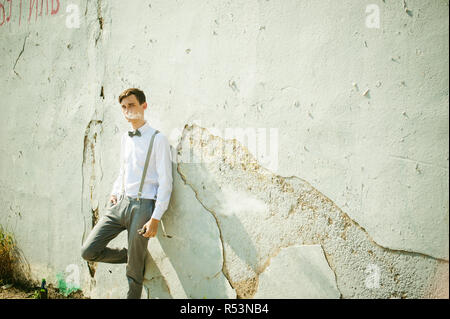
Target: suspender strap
point(147, 160)
point(122, 194)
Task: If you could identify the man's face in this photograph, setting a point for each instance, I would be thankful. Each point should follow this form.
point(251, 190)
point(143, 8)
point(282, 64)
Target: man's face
point(131, 109)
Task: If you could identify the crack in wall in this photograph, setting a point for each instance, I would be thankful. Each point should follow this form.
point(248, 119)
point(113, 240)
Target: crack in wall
point(327, 258)
point(224, 268)
point(20, 54)
point(277, 251)
point(349, 222)
point(161, 278)
point(306, 216)
point(405, 8)
point(100, 20)
point(89, 180)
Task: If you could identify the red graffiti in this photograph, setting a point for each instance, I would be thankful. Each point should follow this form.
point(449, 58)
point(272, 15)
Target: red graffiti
point(31, 8)
point(55, 11)
point(35, 7)
point(10, 5)
point(42, 6)
point(2, 9)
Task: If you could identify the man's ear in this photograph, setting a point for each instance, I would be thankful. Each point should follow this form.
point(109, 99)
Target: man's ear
point(144, 105)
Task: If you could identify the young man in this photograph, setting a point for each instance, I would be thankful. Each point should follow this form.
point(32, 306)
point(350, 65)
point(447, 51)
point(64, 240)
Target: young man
point(133, 213)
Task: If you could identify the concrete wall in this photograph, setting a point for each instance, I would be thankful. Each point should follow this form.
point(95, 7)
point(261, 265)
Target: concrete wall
point(344, 195)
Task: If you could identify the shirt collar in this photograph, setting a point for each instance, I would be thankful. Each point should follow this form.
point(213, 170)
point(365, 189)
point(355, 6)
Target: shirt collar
point(144, 127)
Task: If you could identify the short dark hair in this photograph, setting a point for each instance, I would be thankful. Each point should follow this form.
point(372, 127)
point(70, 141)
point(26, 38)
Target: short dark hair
point(140, 96)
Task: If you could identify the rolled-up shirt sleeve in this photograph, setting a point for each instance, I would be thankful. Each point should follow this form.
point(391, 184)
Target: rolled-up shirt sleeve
point(165, 180)
point(117, 186)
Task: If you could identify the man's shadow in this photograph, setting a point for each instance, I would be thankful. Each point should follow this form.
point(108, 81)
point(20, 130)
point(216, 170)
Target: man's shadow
point(192, 256)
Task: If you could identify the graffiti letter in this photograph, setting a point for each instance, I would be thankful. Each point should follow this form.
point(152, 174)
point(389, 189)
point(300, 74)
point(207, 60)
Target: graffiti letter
point(10, 5)
point(42, 7)
point(20, 15)
point(2, 9)
point(55, 11)
point(31, 8)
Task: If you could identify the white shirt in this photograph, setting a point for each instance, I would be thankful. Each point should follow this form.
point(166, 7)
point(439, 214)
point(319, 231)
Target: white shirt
point(158, 180)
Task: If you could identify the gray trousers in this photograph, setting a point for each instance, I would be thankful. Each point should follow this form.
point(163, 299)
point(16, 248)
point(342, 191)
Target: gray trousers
point(127, 214)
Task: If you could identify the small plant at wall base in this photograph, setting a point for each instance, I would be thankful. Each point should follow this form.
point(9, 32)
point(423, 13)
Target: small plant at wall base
point(15, 280)
point(13, 268)
point(8, 257)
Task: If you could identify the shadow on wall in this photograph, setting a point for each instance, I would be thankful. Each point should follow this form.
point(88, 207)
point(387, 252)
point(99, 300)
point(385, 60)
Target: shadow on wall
point(191, 260)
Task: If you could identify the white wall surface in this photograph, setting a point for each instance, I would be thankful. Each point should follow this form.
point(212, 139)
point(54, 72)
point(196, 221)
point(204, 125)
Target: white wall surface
point(359, 117)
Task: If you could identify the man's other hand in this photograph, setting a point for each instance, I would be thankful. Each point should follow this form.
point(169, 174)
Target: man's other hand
point(151, 228)
point(113, 200)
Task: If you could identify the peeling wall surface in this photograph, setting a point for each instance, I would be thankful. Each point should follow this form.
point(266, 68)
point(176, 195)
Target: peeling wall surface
point(345, 193)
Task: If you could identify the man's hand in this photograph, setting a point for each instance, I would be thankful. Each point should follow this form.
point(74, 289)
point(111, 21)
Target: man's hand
point(113, 199)
point(151, 228)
